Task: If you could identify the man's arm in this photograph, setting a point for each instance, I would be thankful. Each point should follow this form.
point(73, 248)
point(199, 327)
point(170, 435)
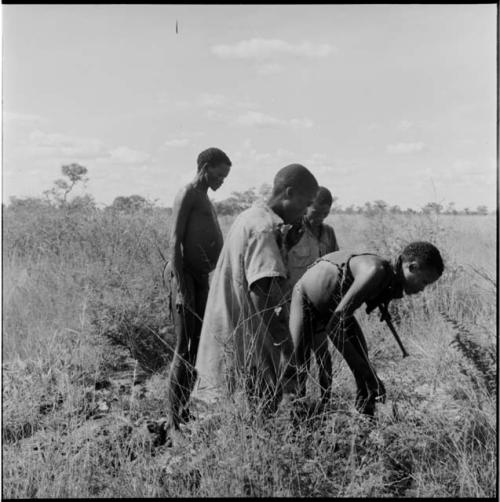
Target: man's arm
point(368, 277)
point(267, 295)
point(329, 238)
point(182, 209)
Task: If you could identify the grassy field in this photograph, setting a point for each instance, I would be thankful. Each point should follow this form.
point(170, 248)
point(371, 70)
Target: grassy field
point(87, 341)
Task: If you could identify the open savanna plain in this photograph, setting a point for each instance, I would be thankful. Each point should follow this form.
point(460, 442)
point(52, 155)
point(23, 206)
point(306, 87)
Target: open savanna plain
point(87, 341)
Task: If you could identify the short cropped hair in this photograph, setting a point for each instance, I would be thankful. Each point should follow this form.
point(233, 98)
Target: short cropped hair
point(425, 253)
point(212, 156)
point(296, 176)
point(324, 196)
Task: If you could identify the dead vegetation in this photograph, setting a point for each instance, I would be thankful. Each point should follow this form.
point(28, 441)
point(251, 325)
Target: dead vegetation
point(87, 342)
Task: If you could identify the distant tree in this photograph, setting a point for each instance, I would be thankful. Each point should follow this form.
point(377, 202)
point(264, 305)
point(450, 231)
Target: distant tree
point(130, 204)
point(368, 208)
point(350, 209)
point(482, 210)
point(82, 203)
point(336, 207)
point(410, 210)
point(239, 201)
point(58, 194)
point(395, 209)
point(432, 207)
point(450, 208)
point(27, 204)
point(380, 206)
point(265, 191)
point(467, 211)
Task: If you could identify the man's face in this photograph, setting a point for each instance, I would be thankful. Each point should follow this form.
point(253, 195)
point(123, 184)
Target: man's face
point(417, 277)
point(316, 213)
point(297, 202)
point(216, 175)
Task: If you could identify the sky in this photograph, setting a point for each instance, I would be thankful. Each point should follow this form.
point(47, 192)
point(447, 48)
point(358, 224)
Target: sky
point(381, 102)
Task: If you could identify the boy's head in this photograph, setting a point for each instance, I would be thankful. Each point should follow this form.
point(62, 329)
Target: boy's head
point(295, 188)
point(215, 165)
point(320, 208)
point(421, 265)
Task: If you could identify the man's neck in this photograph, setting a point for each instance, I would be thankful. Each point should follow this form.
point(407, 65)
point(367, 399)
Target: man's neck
point(200, 183)
point(277, 207)
point(315, 229)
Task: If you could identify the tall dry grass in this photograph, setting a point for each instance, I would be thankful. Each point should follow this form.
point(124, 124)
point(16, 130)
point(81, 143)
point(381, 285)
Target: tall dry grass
point(79, 287)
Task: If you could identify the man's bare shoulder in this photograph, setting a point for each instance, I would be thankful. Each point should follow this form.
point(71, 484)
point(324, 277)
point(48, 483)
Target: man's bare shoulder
point(189, 196)
point(369, 265)
point(187, 191)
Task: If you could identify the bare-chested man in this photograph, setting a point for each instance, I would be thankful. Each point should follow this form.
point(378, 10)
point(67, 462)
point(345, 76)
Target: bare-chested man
point(196, 242)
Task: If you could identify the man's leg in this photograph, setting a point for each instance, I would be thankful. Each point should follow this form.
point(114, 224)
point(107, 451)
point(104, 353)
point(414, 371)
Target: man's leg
point(180, 375)
point(350, 342)
point(200, 293)
point(300, 325)
point(324, 361)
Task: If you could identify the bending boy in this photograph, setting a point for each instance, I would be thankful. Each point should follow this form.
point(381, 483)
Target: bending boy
point(327, 295)
point(196, 241)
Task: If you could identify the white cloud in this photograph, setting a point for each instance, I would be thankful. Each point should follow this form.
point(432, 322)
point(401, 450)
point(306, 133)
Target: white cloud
point(62, 145)
point(176, 143)
point(252, 118)
point(404, 125)
point(126, 155)
point(213, 100)
point(269, 69)
point(259, 119)
point(304, 122)
point(373, 126)
point(321, 165)
point(405, 148)
point(259, 48)
point(25, 119)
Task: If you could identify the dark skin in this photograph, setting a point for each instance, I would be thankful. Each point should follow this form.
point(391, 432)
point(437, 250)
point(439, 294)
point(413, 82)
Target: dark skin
point(318, 284)
point(197, 242)
point(196, 235)
point(315, 215)
point(267, 293)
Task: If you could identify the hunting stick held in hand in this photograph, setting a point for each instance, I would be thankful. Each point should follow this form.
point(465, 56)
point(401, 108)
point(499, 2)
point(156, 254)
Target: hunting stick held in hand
point(385, 316)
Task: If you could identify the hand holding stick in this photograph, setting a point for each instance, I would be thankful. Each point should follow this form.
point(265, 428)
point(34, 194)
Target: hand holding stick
point(385, 316)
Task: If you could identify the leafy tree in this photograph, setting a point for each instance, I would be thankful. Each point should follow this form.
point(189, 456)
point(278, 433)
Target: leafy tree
point(432, 207)
point(450, 208)
point(82, 203)
point(58, 194)
point(130, 204)
point(482, 210)
point(239, 201)
point(380, 205)
point(265, 191)
point(32, 204)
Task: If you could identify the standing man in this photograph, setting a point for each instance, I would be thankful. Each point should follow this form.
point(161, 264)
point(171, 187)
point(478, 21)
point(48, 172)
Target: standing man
point(317, 238)
point(196, 242)
point(245, 337)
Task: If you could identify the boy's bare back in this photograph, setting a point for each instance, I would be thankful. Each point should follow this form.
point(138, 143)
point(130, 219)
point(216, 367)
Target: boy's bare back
point(201, 235)
point(322, 280)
